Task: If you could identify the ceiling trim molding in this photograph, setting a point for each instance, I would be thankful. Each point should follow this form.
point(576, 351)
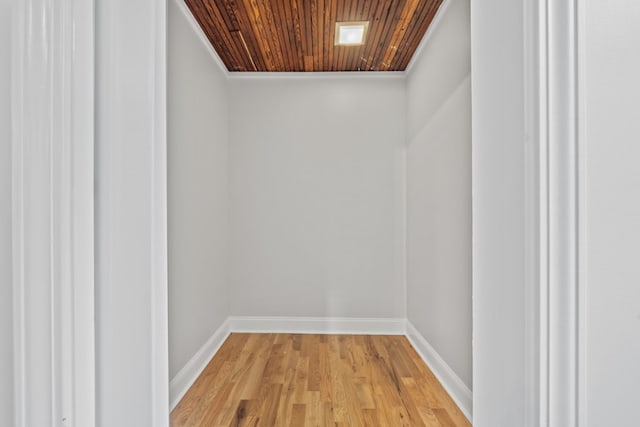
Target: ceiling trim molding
point(182, 5)
point(239, 75)
point(433, 26)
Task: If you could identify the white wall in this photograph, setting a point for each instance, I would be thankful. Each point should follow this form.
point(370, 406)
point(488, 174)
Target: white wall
point(6, 312)
point(440, 65)
point(198, 191)
point(611, 130)
point(439, 190)
point(498, 213)
point(316, 196)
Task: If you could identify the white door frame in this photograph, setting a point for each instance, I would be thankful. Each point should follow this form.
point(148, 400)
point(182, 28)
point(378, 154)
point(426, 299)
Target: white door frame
point(85, 353)
point(131, 214)
point(526, 113)
point(52, 202)
point(555, 228)
point(53, 229)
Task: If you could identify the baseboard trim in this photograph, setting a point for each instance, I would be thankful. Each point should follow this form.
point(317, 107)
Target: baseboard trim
point(185, 378)
point(318, 325)
point(456, 388)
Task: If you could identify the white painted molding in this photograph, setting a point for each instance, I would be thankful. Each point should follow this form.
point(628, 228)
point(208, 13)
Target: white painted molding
point(318, 325)
point(185, 378)
point(553, 188)
point(535, 258)
point(345, 75)
point(581, 46)
point(456, 388)
point(560, 307)
point(435, 23)
point(52, 201)
point(158, 245)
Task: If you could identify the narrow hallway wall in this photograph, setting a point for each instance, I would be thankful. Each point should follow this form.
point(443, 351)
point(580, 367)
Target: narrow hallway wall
point(197, 191)
point(439, 190)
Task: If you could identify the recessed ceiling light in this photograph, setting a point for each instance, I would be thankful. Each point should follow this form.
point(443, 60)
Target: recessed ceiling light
point(351, 33)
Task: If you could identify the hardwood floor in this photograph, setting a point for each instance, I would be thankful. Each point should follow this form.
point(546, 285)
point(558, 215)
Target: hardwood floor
point(316, 380)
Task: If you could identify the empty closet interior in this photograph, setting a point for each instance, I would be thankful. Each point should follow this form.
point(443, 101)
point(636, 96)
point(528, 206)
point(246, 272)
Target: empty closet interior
point(327, 201)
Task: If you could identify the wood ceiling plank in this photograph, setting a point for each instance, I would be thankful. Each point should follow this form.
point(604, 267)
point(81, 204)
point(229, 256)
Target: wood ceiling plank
point(326, 37)
point(282, 33)
point(412, 26)
point(249, 37)
point(410, 39)
point(290, 35)
point(237, 35)
point(376, 26)
point(320, 32)
point(262, 38)
point(363, 59)
point(315, 28)
point(330, 22)
point(341, 16)
point(308, 34)
point(364, 13)
point(295, 15)
point(238, 53)
point(422, 24)
point(272, 29)
point(229, 15)
point(308, 63)
point(399, 31)
point(206, 22)
point(391, 19)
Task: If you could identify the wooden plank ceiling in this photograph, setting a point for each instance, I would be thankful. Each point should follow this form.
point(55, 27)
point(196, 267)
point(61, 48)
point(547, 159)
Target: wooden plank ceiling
point(298, 35)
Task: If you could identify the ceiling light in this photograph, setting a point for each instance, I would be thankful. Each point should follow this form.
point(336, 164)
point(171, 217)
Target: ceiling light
point(351, 33)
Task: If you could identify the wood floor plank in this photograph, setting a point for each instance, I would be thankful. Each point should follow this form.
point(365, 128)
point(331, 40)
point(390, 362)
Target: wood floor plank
point(297, 415)
point(316, 380)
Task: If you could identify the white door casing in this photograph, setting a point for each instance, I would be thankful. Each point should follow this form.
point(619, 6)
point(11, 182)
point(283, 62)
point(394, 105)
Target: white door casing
point(53, 229)
point(555, 191)
point(526, 95)
point(52, 202)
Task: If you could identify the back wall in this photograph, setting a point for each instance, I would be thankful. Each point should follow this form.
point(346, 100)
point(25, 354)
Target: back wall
point(316, 196)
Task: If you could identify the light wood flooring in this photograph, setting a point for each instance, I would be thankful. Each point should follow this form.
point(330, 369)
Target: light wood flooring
point(316, 380)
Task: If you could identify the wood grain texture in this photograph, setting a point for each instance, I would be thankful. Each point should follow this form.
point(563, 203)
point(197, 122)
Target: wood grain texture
point(298, 35)
point(316, 380)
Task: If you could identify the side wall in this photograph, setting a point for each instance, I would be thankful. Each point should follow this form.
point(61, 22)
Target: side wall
point(6, 302)
point(197, 191)
point(439, 190)
point(317, 170)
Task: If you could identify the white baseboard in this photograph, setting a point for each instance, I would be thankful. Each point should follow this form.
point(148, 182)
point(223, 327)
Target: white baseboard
point(185, 378)
point(318, 325)
point(456, 388)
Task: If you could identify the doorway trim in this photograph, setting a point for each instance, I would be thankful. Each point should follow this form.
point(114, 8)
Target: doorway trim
point(52, 212)
point(555, 234)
